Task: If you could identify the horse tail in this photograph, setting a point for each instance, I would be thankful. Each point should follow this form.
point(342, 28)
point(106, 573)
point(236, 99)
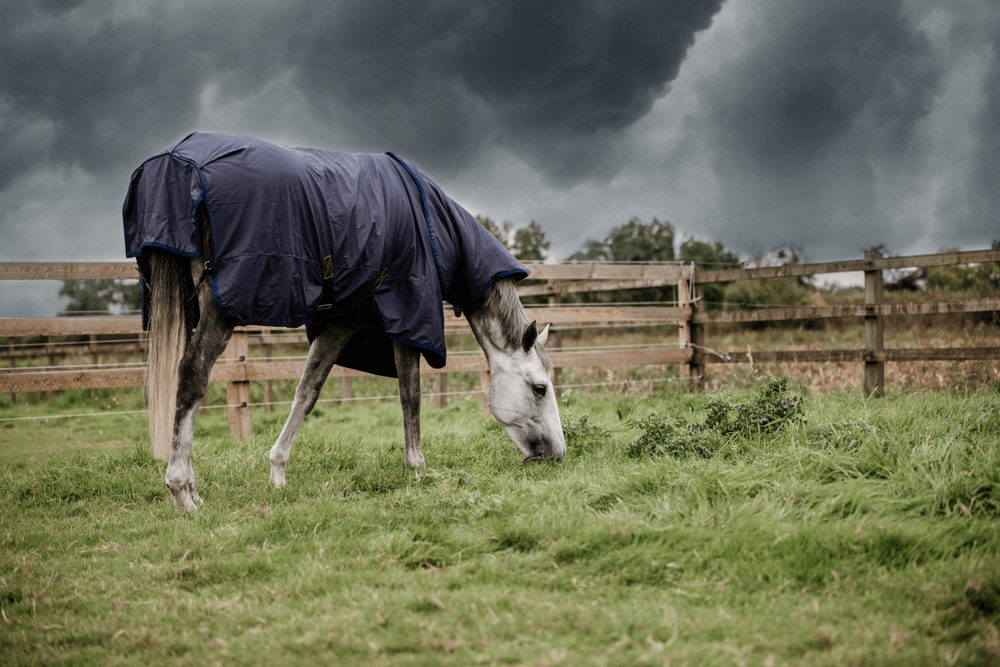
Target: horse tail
point(167, 340)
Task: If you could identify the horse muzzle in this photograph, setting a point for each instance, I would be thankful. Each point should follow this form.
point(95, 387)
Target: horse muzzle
point(545, 451)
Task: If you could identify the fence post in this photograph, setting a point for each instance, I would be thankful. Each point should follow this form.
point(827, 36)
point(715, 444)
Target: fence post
point(683, 327)
point(696, 335)
point(13, 364)
point(238, 392)
point(874, 327)
point(556, 343)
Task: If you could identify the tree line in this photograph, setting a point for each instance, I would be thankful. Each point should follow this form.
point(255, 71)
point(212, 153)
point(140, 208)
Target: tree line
point(635, 241)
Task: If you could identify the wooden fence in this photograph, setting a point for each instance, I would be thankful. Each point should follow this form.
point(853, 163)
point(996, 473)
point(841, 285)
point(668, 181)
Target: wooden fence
point(688, 314)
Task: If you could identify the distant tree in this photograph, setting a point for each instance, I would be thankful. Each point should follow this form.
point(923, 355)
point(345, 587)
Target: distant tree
point(638, 242)
point(634, 241)
point(530, 243)
point(708, 255)
point(594, 251)
point(118, 297)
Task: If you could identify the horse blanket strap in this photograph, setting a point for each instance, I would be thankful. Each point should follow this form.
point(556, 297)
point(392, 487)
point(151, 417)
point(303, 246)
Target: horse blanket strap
point(304, 236)
point(206, 272)
point(142, 276)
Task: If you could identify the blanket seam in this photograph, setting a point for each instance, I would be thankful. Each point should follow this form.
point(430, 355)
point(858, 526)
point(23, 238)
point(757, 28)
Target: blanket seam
point(427, 217)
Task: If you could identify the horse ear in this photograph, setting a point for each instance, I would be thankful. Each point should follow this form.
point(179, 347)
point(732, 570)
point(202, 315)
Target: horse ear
point(529, 337)
point(543, 336)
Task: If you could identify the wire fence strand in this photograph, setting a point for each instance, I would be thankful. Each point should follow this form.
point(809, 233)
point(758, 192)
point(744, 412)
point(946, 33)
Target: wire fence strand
point(350, 399)
point(113, 365)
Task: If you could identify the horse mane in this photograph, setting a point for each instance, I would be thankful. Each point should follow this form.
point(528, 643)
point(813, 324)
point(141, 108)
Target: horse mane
point(502, 308)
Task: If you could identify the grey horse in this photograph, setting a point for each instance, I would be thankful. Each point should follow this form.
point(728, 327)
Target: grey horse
point(190, 219)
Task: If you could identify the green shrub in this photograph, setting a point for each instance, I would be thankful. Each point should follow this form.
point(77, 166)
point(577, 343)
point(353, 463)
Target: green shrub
point(582, 436)
point(674, 437)
point(771, 409)
point(768, 411)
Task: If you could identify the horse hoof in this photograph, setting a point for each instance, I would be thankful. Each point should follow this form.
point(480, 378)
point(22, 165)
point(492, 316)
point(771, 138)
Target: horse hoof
point(185, 503)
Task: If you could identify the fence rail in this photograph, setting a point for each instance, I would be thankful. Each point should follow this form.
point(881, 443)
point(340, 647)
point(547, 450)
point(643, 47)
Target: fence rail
point(827, 312)
point(565, 316)
point(689, 315)
point(67, 270)
point(260, 371)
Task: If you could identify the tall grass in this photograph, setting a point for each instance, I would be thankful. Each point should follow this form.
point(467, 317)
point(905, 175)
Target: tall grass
point(864, 533)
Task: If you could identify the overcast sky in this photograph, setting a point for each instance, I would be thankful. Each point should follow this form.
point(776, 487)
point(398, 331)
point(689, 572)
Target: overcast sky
point(828, 126)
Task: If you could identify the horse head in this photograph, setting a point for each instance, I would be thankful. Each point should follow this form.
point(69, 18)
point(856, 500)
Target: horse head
point(522, 398)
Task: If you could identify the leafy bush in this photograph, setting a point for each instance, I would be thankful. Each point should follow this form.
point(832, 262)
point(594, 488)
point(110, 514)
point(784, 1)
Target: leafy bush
point(772, 408)
point(668, 435)
point(581, 435)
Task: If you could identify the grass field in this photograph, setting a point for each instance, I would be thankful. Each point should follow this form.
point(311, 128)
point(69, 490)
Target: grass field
point(865, 534)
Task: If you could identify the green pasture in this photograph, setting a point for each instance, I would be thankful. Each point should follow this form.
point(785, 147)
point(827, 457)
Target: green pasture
point(865, 533)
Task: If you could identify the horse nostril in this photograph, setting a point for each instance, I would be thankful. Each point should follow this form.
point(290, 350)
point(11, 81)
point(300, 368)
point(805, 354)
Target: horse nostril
point(542, 452)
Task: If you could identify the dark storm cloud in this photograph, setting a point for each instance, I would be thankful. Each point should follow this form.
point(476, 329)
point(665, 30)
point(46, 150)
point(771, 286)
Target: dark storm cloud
point(99, 84)
point(827, 93)
point(451, 77)
point(984, 186)
point(814, 74)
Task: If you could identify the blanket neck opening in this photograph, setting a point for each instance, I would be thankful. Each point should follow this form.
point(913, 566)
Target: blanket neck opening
point(499, 322)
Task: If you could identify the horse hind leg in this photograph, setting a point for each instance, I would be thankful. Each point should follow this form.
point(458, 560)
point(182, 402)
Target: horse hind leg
point(206, 344)
point(408, 370)
point(323, 354)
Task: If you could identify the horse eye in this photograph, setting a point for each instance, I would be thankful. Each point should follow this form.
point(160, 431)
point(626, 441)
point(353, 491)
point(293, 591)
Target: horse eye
point(539, 389)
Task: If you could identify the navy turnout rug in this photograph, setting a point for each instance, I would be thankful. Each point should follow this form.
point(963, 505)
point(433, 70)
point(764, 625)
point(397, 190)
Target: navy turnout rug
point(305, 236)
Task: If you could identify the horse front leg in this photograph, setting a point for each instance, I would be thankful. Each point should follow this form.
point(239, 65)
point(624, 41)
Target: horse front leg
point(322, 356)
point(203, 350)
point(408, 370)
